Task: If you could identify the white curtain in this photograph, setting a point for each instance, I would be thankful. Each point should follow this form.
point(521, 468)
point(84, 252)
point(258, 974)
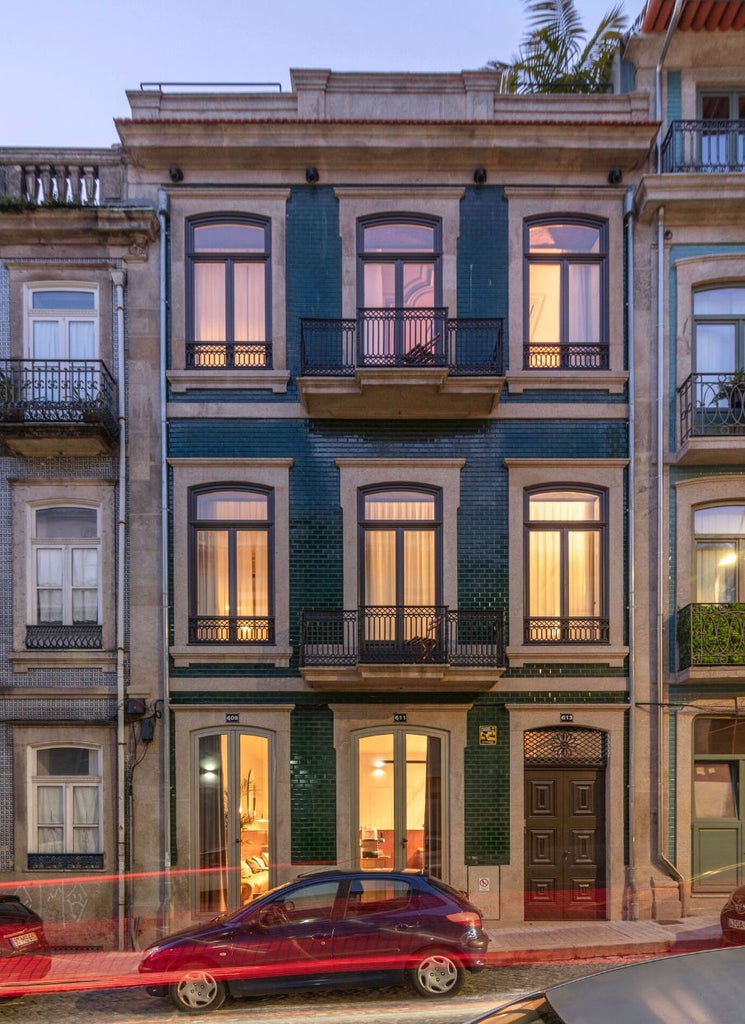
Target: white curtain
point(49, 575)
point(209, 302)
point(84, 585)
point(583, 558)
point(584, 303)
point(249, 314)
point(212, 573)
point(50, 803)
point(716, 572)
point(85, 819)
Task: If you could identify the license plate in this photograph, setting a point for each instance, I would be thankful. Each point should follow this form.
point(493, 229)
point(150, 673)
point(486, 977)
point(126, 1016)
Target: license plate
point(734, 922)
point(27, 939)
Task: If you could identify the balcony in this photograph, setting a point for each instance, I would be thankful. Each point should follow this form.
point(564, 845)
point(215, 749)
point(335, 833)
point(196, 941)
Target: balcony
point(704, 147)
point(57, 407)
point(230, 629)
point(402, 648)
point(228, 355)
point(556, 630)
point(711, 635)
point(56, 637)
point(585, 356)
point(401, 363)
point(711, 418)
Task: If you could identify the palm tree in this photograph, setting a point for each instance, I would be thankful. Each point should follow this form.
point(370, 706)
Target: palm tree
point(555, 55)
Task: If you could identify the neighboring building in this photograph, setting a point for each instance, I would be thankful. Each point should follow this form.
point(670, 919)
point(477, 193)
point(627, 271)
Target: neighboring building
point(372, 537)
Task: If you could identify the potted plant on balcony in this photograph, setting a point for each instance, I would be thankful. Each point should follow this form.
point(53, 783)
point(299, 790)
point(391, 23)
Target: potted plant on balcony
point(732, 389)
point(10, 407)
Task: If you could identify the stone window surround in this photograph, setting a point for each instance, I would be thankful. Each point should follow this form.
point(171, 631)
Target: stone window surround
point(557, 205)
point(525, 474)
point(270, 205)
point(449, 722)
point(28, 495)
point(270, 473)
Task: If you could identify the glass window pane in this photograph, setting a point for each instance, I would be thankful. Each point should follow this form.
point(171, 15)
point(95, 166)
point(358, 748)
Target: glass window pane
point(212, 573)
point(719, 302)
point(545, 303)
point(252, 571)
point(380, 575)
point(252, 794)
point(249, 315)
point(716, 348)
point(49, 567)
point(85, 606)
point(419, 576)
point(544, 557)
point(46, 339)
point(230, 238)
point(419, 285)
point(716, 572)
point(583, 572)
point(375, 799)
point(715, 107)
point(584, 303)
point(399, 505)
point(399, 238)
point(66, 522)
point(569, 238)
point(66, 761)
point(714, 792)
point(380, 290)
point(719, 735)
point(63, 300)
point(564, 506)
point(233, 505)
point(720, 519)
point(212, 823)
point(209, 302)
point(85, 567)
point(82, 335)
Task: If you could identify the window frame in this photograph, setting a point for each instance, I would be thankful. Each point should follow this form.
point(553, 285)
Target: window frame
point(68, 856)
point(228, 260)
point(736, 320)
point(232, 527)
point(601, 259)
point(399, 257)
point(564, 528)
point(66, 544)
point(738, 543)
point(63, 316)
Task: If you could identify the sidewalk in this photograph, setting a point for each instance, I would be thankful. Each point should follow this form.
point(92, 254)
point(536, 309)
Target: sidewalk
point(562, 940)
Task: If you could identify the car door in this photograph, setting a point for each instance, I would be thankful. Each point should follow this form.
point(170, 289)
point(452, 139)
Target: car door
point(285, 940)
point(379, 924)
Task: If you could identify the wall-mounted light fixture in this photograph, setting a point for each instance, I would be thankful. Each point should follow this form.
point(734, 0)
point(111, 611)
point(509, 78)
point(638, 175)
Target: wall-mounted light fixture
point(479, 176)
point(311, 175)
point(175, 173)
point(615, 176)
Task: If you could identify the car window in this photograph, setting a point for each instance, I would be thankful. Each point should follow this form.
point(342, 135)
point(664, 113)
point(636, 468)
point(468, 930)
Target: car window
point(311, 902)
point(377, 896)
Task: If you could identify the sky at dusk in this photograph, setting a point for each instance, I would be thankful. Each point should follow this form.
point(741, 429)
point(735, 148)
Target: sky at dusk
point(66, 66)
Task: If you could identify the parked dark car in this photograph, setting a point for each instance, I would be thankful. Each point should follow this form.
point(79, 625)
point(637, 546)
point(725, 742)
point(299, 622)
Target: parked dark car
point(732, 918)
point(333, 928)
point(24, 952)
point(707, 987)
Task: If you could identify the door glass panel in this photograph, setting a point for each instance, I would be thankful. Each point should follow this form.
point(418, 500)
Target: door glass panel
point(250, 302)
point(716, 572)
point(376, 801)
point(209, 302)
point(380, 285)
point(419, 572)
point(212, 824)
point(714, 790)
point(252, 795)
point(545, 308)
point(423, 845)
point(583, 576)
point(584, 303)
point(715, 348)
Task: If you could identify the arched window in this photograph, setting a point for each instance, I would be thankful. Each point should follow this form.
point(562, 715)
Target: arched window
point(228, 262)
point(231, 532)
point(719, 319)
point(720, 554)
point(566, 294)
point(65, 823)
point(565, 555)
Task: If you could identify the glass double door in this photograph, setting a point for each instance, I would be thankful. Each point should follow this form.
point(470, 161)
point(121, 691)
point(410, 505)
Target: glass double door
point(401, 801)
point(233, 833)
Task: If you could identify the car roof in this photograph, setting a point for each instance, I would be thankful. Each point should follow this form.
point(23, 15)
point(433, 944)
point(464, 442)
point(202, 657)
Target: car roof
point(359, 873)
point(706, 987)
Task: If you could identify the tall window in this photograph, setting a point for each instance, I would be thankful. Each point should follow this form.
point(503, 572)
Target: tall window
point(66, 789)
point(566, 576)
point(720, 554)
point(228, 262)
point(66, 559)
point(719, 315)
point(400, 539)
point(399, 288)
point(231, 560)
point(723, 138)
point(566, 295)
point(63, 323)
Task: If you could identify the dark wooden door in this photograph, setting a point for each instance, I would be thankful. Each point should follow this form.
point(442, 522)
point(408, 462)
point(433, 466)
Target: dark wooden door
point(564, 844)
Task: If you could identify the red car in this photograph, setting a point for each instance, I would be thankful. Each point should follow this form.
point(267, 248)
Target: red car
point(333, 928)
point(24, 952)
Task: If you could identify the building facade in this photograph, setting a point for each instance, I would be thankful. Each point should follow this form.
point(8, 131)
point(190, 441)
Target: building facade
point(400, 531)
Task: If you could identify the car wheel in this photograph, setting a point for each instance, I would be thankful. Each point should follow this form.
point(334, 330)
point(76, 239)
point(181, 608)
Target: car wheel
point(198, 991)
point(436, 975)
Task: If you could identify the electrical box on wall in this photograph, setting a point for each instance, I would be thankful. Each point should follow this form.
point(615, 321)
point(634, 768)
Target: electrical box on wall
point(134, 706)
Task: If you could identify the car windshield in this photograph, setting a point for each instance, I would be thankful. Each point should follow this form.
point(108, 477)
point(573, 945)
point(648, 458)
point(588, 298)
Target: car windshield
point(532, 1010)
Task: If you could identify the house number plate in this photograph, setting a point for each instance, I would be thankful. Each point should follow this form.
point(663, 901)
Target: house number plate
point(400, 716)
point(232, 717)
point(566, 716)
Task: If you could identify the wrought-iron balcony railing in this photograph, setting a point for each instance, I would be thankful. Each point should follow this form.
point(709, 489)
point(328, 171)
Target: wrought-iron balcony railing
point(704, 147)
point(570, 630)
point(711, 634)
point(576, 356)
point(82, 636)
point(228, 355)
point(58, 391)
point(397, 635)
point(401, 338)
point(231, 629)
point(711, 404)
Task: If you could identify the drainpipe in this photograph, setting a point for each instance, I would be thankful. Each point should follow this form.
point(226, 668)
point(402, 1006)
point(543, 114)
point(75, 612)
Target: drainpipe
point(165, 894)
point(628, 214)
point(672, 25)
point(119, 277)
point(661, 566)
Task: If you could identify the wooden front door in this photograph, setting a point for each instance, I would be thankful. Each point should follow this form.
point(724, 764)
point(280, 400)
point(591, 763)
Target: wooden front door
point(564, 844)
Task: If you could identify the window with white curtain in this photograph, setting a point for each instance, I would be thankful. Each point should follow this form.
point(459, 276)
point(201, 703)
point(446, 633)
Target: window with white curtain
point(229, 287)
point(565, 559)
point(63, 323)
point(66, 558)
point(66, 799)
point(231, 566)
point(566, 294)
point(720, 554)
